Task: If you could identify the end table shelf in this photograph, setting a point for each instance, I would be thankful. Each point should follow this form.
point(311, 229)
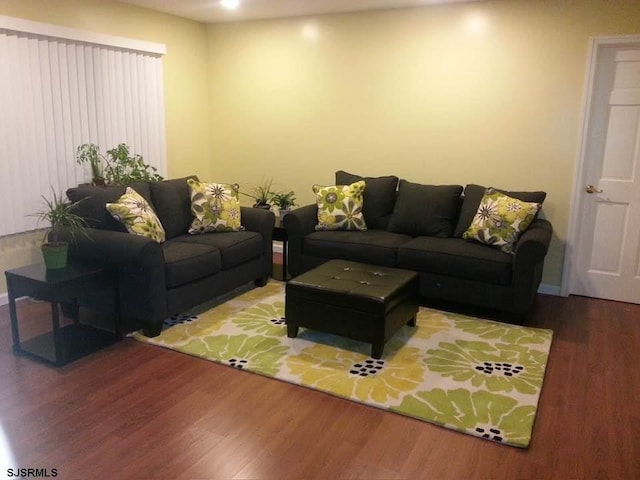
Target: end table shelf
point(62, 344)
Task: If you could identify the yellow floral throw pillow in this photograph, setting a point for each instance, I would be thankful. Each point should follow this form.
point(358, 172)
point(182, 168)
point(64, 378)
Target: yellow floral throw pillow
point(215, 206)
point(135, 213)
point(340, 207)
point(500, 220)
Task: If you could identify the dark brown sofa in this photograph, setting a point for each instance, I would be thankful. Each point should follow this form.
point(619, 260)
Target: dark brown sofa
point(420, 227)
point(156, 280)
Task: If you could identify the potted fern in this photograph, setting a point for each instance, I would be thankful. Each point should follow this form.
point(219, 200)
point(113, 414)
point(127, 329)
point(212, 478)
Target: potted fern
point(60, 214)
point(261, 194)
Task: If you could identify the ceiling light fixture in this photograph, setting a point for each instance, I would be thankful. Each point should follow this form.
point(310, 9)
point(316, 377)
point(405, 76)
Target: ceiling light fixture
point(230, 4)
point(477, 23)
point(310, 31)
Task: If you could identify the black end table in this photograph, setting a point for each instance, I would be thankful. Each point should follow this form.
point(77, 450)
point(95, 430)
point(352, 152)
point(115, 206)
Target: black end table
point(280, 235)
point(66, 285)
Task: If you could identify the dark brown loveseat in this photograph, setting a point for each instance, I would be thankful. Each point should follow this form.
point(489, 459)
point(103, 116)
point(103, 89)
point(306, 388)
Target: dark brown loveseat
point(420, 227)
point(154, 280)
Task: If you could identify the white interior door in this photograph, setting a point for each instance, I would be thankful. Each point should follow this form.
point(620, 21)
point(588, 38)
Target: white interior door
point(608, 240)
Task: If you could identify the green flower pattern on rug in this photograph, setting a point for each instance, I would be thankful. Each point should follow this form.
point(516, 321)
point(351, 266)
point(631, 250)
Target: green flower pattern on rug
point(500, 331)
point(475, 376)
point(355, 375)
point(431, 322)
point(499, 367)
point(484, 414)
point(259, 354)
point(263, 318)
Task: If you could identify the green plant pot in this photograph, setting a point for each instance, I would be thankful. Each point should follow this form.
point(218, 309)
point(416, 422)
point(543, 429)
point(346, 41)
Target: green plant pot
point(55, 255)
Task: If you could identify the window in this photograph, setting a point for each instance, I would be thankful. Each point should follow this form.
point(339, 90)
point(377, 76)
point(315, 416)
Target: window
point(60, 88)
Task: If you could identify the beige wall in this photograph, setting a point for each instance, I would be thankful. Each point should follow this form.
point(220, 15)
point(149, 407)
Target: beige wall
point(419, 93)
point(185, 82)
point(414, 92)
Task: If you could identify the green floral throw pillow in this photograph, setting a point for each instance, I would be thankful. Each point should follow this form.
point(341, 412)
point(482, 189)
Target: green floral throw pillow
point(500, 220)
point(215, 206)
point(340, 207)
point(135, 213)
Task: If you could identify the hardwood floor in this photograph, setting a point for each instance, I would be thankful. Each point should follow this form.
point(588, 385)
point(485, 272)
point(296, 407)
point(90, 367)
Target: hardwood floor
point(134, 411)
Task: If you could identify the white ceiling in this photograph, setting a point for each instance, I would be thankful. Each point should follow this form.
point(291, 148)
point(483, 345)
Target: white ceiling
point(210, 11)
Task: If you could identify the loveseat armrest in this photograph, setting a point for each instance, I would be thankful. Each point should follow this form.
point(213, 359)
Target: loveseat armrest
point(299, 223)
point(139, 266)
point(261, 221)
point(108, 246)
point(528, 261)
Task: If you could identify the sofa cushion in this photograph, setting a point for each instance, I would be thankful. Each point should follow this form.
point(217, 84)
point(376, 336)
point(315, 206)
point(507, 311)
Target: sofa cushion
point(425, 209)
point(186, 262)
point(235, 248)
point(455, 257)
point(172, 204)
point(377, 247)
point(473, 195)
point(138, 217)
point(500, 220)
point(215, 206)
point(378, 199)
point(93, 201)
point(340, 206)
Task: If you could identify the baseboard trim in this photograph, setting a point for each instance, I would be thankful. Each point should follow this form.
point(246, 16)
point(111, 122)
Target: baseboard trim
point(549, 289)
point(4, 298)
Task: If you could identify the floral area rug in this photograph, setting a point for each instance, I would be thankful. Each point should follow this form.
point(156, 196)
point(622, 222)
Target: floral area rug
point(475, 376)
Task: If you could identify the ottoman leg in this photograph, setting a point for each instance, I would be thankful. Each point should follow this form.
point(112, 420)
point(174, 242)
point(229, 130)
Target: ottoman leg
point(292, 330)
point(376, 350)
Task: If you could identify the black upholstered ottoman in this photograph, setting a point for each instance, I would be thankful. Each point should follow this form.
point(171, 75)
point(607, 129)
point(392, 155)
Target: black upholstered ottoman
point(355, 300)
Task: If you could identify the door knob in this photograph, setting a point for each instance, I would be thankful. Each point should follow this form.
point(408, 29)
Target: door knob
point(592, 189)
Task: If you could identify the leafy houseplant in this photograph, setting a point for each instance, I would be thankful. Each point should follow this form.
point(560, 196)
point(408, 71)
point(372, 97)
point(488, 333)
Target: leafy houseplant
point(284, 201)
point(262, 194)
point(60, 215)
point(120, 167)
point(90, 153)
point(123, 168)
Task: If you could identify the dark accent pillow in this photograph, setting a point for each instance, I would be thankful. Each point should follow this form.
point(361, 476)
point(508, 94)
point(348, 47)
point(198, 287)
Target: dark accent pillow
point(378, 199)
point(473, 196)
point(429, 210)
point(172, 202)
point(93, 207)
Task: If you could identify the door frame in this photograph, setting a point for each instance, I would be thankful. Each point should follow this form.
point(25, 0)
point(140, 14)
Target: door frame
point(596, 44)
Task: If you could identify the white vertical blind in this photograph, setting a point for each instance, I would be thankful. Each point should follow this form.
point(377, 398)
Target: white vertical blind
point(57, 93)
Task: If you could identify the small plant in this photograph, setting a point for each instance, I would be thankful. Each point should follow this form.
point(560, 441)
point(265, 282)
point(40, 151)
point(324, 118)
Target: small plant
point(123, 168)
point(90, 153)
point(284, 201)
point(60, 215)
point(119, 167)
point(262, 194)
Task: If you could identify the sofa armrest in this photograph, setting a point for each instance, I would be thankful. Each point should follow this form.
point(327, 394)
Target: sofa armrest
point(112, 247)
point(299, 223)
point(139, 267)
point(528, 261)
point(261, 221)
